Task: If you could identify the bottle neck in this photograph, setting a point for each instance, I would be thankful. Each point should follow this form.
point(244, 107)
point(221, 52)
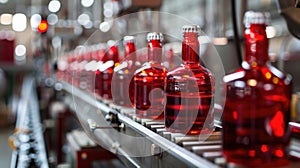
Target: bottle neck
point(190, 48)
point(113, 54)
point(155, 51)
point(129, 51)
point(256, 45)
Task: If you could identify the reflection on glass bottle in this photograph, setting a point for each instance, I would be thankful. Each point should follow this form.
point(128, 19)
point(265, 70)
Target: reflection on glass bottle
point(83, 83)
point(98, 56)
point(110, 61)
point(256, 113)
point(189, 90)
point(149, 81)
point(124, 74)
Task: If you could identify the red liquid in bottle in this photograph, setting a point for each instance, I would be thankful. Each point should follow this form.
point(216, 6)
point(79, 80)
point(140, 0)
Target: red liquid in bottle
point(189, 91)
point(124, 73)
point(98, 57)
point(256, 113)
point(7, 45)
point(149, 81)
point(106, 72)
point(68, 70)
point(75, 71)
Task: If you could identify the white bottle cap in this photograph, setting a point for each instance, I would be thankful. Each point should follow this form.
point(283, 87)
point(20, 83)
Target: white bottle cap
point(252, 17)
point(128, 39)
point(155, 36)
point(191, 28)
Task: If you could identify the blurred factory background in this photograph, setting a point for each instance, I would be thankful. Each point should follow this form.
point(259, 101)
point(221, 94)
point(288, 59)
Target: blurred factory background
point(36, 34)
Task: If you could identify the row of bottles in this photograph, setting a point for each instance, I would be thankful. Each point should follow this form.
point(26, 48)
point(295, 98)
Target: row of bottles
point(256, 111)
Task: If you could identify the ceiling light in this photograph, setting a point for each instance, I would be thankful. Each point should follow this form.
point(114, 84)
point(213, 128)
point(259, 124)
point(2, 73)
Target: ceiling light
point(52, 19)
point(87, 3)
point(3, 1)
point(104, 26)
point(35, 21)
point(6, 19)
point(83, 19)
point(54, 6)
point(20, 51)
point(19, 22)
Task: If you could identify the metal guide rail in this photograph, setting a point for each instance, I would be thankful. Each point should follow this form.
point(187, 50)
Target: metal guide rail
point(28, 140)
point(145, 143)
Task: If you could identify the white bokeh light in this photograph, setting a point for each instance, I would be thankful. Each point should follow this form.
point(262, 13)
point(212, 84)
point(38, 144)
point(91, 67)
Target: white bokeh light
point(88, 25)
point(52, 19)
point(35, 20)
point(108, 5)
point(104, 26)
point(54, 6)
point(3, 1)
point(87, 3)
point(78, 30)
point(20, 50)
point(271, 31)
point(6, 19)
point(83, 19)
point(19, 22)
point(108, 13)
point(56, 42)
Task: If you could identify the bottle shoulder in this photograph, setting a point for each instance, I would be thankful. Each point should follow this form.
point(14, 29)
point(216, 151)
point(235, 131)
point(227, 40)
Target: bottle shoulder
point(151, 70)
point(125, 67)
point(196, 72)
point(263, 74)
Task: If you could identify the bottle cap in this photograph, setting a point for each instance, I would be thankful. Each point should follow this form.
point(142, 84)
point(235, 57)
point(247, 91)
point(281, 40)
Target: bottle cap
point(128, 39)
point(155, 36)
point(252, 17)
point(191, 28)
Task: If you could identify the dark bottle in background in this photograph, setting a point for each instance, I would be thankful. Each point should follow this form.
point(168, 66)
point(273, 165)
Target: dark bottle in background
point(110, 61)
point(98, 56)
point(124, 73)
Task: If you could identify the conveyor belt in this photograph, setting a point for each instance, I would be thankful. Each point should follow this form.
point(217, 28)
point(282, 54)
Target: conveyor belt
point(166, 148)
point(28, 139)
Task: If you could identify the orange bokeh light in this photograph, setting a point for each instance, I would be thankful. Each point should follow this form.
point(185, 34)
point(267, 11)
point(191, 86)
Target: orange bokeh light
point(43, 26)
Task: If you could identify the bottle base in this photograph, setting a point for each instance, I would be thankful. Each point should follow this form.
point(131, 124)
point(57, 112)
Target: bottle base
point(238, 160)
point(147, 114)
point(191, 131)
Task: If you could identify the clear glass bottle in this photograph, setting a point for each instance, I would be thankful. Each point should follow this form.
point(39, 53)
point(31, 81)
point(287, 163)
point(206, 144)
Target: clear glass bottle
point(123, 74)
point(257, 108)
point(69, 69)
point(149, 81)
point(75, 69)
point(98, 56)
point(190, 90)
point(110, 61)
point(85, 58)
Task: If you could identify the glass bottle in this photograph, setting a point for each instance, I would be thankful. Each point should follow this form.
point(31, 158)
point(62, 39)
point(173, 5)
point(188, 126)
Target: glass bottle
point(75, 63)
point(149, 81)
point(62, 67)
point(110, 61)
point(256, 113)
point(190, 90)
point(98, 56)
point(69, 69)
point(123, 74)
point(85, 58)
